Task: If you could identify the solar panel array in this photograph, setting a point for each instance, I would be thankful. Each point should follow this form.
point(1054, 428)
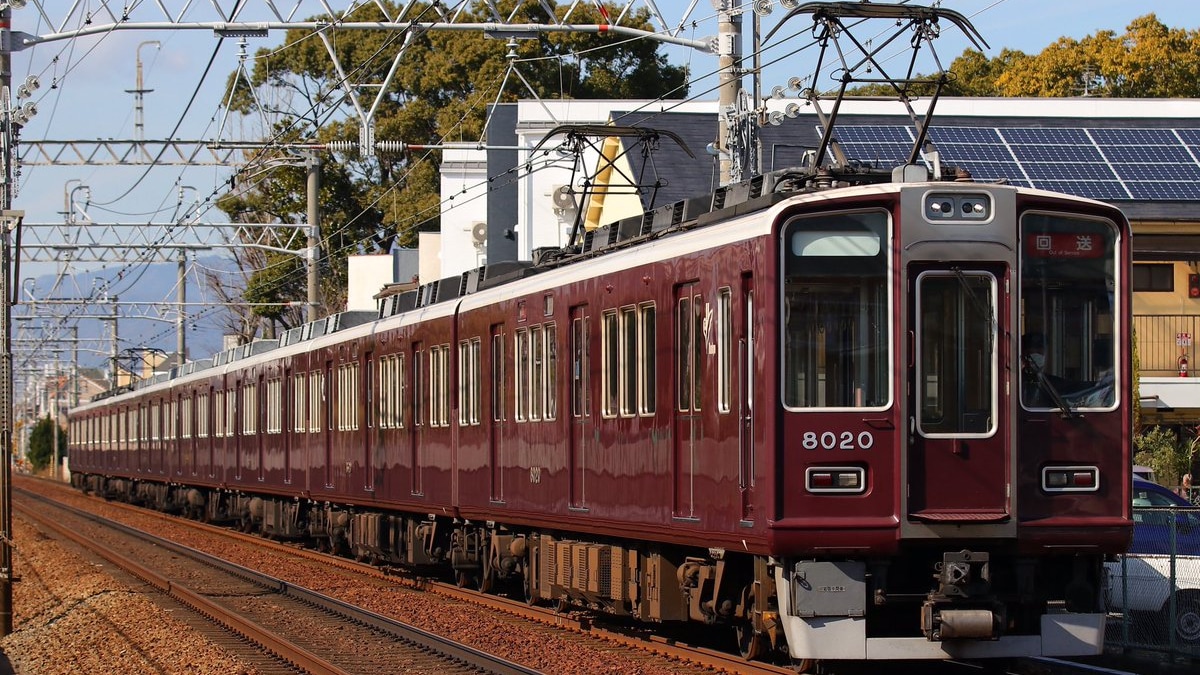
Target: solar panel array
point(1107, 164)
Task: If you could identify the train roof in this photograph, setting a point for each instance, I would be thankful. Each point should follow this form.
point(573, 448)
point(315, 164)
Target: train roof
point(721, 216)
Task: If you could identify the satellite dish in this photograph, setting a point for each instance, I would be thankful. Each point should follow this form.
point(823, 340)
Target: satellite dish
point(478, 233)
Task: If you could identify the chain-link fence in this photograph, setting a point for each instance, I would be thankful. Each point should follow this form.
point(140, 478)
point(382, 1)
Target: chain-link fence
point(1153, 592)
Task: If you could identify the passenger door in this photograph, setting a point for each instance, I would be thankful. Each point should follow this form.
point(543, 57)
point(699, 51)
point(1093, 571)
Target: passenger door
point(958, 456)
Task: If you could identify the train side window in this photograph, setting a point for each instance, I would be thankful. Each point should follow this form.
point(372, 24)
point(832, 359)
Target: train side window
point(610, 363)
point(468, 382)
point(647, 349)
point(299, 399)
point(628, 357)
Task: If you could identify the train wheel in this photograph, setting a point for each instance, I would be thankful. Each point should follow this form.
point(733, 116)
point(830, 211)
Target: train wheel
point(751, 644)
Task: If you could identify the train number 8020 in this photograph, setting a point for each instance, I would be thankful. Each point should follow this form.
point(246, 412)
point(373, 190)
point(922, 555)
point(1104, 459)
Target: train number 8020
point(837, 440)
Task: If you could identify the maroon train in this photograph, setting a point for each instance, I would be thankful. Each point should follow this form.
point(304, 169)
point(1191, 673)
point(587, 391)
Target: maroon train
point(860, 421)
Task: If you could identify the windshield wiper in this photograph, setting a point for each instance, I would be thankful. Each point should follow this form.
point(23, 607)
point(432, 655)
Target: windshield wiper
point(1045, 383)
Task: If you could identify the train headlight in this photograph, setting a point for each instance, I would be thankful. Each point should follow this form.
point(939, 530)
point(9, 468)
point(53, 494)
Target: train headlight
point(836, 479)
point(1070, 478)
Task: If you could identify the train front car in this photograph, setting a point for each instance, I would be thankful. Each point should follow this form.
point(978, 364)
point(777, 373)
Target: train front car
point(955, 396)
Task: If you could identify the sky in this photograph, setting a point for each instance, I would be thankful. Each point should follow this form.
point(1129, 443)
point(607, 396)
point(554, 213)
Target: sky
point(187, 70)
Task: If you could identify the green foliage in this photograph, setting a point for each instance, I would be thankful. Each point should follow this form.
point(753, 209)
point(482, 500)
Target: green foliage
point(1161, 450)
point(41, 444)
point(441, 86)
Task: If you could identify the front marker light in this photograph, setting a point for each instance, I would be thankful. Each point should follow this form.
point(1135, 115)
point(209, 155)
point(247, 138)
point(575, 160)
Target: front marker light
point(836, 479)
point(1070, 478)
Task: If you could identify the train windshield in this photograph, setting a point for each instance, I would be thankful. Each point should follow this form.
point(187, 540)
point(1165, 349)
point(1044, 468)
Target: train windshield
point(1068, 274)
point(835, 311)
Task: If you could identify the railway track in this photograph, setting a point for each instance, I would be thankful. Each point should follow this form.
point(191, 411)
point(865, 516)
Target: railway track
point(666, 654)
point(615, 644)
point(302, 631)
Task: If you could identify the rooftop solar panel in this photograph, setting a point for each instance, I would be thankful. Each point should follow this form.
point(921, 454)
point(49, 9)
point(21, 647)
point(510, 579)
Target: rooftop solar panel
point(1134, 136)
point(1063, 171)
point(1170, 172)
point(889, 153)
point(1189, 136)
point(1056, 153)
point(942, 135)
point(1094, 189)
point(1054, 136)
point(992, 170)
point(1147, 154)
point(872, 134)
point(1108, 163)
point(974, 152)
point(1164, 190)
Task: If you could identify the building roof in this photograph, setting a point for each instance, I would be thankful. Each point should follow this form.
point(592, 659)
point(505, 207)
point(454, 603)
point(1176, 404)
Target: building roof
point(1143, 156)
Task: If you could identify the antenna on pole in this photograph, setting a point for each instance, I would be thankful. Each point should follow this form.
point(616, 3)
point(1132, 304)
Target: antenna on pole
point(138, 118)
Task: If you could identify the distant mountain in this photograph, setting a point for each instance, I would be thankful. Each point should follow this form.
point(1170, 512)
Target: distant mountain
point(151, 325)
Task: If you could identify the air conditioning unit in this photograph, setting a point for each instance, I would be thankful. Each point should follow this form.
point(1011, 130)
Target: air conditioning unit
point(478, 233)
point(564, 200)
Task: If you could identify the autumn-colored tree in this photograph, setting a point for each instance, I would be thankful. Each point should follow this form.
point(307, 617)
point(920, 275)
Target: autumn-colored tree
point(1148, 60)
point(441, 87)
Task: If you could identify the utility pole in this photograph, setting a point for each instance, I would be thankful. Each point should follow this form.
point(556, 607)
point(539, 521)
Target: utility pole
point(139, 127)
point(729, 63)
point(313, 163)
point(9, 218)
point(181, 316)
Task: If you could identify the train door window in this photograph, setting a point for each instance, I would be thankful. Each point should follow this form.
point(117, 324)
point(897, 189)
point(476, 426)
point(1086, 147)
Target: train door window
point(231, 403)
point(369, 388)
point(521, 381)
point(550, 393)
point(186, 419)
point(299, 399)
point(579, 365)
point(418, 389)
point(724, 349)
point(537, 373)
point(390, 399)
point(274, 406)
point(1069, 324)
point(497, 357)
point(316, 392)
point(689, 345)
point(202, 415)
point(836, 309)
point(156, 421)
point(610, 363)
point(399, 389)
point(956, 357)
point(250, 408)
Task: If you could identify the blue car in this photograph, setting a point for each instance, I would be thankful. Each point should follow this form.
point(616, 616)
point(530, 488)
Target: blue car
point(1156, 511)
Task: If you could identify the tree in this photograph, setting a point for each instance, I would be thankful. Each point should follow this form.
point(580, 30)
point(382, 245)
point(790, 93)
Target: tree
point(439, 93)
point(1148, 60)
point(41, 444)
